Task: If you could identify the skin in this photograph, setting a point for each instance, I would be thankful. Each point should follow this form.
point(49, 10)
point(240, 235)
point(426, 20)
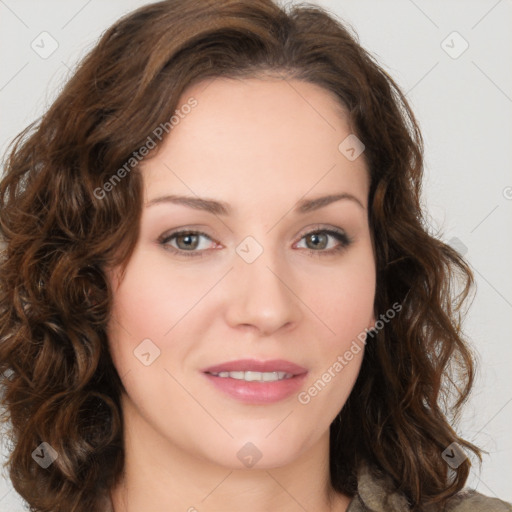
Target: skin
point(261, 145)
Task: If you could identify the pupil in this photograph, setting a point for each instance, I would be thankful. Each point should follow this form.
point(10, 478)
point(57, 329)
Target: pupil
point(316, 238)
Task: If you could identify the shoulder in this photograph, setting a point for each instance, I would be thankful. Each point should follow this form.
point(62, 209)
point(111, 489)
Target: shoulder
point(472, 501)
point(375, 494)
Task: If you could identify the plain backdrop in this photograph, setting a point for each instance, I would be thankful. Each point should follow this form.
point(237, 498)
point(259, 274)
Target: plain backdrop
point(453, 60)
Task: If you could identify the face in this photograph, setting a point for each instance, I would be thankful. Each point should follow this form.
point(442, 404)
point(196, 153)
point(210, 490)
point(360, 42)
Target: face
point(259, 273)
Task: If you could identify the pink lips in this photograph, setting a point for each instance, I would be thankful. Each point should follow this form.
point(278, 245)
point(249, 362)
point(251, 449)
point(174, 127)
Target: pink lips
point(257, 392)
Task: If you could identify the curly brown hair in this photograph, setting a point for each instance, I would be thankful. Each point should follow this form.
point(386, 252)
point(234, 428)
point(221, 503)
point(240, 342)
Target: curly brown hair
point(58, 380)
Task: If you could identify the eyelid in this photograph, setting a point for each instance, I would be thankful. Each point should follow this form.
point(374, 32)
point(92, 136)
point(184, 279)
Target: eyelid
point(313, 228)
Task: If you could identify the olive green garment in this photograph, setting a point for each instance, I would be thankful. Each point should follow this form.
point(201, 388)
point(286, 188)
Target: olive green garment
point(374, 495)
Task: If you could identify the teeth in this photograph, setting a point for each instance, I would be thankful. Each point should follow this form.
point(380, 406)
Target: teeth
point(255, 376)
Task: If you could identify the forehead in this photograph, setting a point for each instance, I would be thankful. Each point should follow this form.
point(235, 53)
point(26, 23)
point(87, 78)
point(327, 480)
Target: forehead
point(256, 136)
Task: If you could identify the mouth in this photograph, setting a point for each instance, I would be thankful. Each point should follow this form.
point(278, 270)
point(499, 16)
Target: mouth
point(257, 382)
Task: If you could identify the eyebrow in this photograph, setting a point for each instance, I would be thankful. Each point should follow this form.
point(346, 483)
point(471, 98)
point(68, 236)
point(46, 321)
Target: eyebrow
point(221, 208)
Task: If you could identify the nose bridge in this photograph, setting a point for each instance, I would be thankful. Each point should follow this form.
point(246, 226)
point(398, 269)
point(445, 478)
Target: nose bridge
point(261, 288)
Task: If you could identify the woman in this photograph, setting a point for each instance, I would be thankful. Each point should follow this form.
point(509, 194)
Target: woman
point(218, 292)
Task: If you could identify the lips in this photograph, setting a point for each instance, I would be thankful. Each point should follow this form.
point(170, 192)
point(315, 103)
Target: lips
point(257, 392)
point(253, 365)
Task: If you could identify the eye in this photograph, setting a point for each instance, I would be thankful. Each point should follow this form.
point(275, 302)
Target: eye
point(318, 241)
point(187, 242)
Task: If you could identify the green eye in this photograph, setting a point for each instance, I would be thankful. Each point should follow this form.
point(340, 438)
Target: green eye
point(320, 240)
point(188, 243)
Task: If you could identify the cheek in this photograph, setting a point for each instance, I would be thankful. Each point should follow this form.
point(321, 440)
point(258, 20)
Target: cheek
point(151, 298)
point(138, 310)
point(156, 302)
point(344, 304)
point(343, 299)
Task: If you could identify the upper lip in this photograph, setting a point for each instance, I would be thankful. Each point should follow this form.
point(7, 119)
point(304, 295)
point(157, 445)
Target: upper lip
point(253, 365)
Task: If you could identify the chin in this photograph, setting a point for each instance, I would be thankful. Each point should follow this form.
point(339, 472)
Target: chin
point(257, 452)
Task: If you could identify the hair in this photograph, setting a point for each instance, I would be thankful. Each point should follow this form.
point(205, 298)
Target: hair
point(59, 384)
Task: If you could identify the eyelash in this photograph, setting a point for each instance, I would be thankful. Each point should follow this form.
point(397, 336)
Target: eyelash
point(339, 235)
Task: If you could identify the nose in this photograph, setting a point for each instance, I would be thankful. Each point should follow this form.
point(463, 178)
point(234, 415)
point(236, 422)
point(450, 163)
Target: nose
point(262, 297)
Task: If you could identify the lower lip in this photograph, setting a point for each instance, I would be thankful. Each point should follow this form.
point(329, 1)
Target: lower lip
point(256, 392)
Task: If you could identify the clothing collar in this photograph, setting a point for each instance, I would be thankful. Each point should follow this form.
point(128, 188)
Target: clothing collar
point(375, 494)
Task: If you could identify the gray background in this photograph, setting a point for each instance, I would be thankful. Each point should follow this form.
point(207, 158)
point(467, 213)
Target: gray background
point(463, 102)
